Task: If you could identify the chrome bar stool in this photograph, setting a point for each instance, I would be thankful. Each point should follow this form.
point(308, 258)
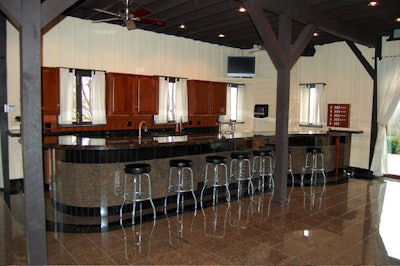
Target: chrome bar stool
point(290, 164)
point(216, 162)
point(136, 171)
point(263, 165)
point(314, 163)
point(290, 168)
point(241, 171)
point(180, 180)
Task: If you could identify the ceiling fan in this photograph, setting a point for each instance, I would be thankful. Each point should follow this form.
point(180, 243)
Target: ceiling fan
point(130, 16)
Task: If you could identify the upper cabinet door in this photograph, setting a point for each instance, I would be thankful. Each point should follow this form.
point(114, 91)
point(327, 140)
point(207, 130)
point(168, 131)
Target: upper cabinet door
point(121, 96)
point(217, 98)
point(147, 94)
point(198, 97)
point(50, 91)
point(206, 98)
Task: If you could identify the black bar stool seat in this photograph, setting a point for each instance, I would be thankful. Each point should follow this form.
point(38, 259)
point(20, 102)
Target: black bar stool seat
point(137, 168)
point(263, 152)
point(240, 155)
point(180, 163)
point(315, 150)
point(215, 159)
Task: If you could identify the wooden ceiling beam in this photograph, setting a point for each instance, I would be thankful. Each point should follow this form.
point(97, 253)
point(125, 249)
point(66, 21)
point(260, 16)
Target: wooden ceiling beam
point(12, 10)
point(301, 42)
point(50, 9)
point(299, 12)
point(266, 33)
point(371, 71)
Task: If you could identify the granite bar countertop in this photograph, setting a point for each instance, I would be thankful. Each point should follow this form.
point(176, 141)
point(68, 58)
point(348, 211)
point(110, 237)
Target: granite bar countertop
point(131, 141)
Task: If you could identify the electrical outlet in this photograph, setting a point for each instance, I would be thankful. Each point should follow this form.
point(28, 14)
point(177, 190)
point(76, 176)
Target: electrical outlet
point(9, 108)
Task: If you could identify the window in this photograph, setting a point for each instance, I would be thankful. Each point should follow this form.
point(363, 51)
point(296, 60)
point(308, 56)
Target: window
point(312, 102)
point(173, 103)
point(82, 97)
point(81, 105)
point(235, 96)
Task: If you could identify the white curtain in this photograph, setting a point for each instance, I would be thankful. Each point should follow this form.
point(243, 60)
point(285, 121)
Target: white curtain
point(98, 98)
point(162, 117)
point(178, 101)
point(388, 81)
point(181, 100)
point(240, 108)
point(312, 102)
point(228, 113)
point(67, 87)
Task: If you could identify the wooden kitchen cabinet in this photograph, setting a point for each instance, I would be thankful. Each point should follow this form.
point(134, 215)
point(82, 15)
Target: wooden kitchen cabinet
point(206, 98)
point(217, 98)
point(198, 97)
point(120, 90)
point(129, 94)
point(50, 91)
point(147, 94)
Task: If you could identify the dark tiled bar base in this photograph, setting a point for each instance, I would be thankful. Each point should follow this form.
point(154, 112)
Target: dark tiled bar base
point(84, 179)
point(352, 223)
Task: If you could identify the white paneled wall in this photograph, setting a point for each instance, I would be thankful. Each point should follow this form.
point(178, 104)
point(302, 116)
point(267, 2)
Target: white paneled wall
point(82, 44)
point(13, 97)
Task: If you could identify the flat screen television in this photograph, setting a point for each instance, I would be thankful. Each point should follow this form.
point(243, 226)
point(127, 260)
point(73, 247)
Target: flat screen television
point(241, 66)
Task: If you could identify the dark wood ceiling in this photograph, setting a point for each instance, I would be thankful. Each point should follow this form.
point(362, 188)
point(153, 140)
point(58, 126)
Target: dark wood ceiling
point(336, 20)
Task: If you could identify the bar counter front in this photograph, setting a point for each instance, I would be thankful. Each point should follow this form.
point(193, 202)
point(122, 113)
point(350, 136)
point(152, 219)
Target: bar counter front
point(86, 173)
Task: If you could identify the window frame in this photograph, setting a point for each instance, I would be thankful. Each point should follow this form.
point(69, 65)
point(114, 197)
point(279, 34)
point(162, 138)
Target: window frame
point(315, 105)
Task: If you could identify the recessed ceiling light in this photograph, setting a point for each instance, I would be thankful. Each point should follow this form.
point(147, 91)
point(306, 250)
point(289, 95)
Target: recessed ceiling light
point(316, 34)
point(182, 26)
point(221, 35)
point(397, 20)
point(242, 9)
point(373, 3)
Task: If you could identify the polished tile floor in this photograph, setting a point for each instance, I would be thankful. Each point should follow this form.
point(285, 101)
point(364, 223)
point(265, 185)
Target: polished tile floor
point(352, 223)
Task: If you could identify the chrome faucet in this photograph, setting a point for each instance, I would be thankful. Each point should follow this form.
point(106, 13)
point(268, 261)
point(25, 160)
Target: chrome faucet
point(230, 123)
point(144, 125)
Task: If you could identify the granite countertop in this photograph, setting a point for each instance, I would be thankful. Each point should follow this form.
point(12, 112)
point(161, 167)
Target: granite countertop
point(150, 140)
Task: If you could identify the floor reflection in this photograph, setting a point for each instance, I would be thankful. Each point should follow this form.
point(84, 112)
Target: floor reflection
point(354, 223)
point(137, 236)
point(215, 219)
point(313, 197)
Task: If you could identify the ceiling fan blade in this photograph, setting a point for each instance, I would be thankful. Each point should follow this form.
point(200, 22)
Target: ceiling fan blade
point(140, 12)
point(106, 20)
point(106, 12)
point(160, 22)
point(130, 24)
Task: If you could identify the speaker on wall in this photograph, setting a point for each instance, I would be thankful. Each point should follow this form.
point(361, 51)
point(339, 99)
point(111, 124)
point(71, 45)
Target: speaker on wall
point(309, 51)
